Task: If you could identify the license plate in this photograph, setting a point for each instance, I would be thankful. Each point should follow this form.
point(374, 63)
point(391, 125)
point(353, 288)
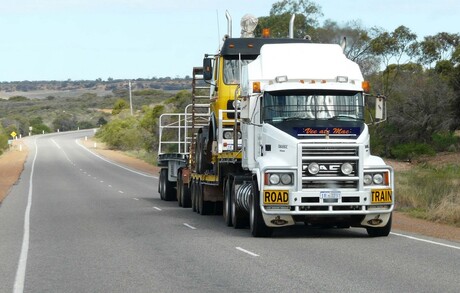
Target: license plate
point(330, 194)
point(382, 196)
point(276, 197)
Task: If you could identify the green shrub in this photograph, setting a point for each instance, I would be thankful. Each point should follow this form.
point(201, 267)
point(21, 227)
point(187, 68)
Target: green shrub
point(409, 151)
point(444, 141)
point(122, 134)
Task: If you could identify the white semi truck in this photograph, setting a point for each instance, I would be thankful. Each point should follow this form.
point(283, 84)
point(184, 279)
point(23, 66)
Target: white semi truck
point(286, 143)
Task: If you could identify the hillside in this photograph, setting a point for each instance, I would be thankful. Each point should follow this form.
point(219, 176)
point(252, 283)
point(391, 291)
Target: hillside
point(46, 106)
point(69, 88)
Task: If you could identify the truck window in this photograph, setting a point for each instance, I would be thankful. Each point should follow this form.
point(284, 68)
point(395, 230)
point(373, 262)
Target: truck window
point(232, 70)
point(313, 106)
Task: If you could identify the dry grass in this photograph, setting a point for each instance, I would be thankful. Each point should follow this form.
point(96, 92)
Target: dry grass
point(430, 192)
point(11, 166)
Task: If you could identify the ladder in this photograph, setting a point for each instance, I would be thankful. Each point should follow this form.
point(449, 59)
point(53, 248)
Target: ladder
point(200, 111)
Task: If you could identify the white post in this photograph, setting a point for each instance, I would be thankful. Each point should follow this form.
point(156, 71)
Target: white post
point(130, 98)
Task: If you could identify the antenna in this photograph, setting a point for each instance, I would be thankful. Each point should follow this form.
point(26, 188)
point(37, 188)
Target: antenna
point(218, 29)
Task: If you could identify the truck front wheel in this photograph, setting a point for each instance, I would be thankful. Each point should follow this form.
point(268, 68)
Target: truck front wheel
point(227, 209)
point(238, 215)
point(256, 221)
point(382, 231)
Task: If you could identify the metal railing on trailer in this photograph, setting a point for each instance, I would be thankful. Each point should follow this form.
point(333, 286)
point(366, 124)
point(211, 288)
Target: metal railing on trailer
point(175, 131)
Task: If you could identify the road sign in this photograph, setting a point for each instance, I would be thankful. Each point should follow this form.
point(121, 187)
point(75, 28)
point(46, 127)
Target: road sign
point(13, 134)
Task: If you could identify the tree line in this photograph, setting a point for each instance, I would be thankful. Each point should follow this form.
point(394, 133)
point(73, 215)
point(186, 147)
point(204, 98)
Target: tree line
point(420, 76)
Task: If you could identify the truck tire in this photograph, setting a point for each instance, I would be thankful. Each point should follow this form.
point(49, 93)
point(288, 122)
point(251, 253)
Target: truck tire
point(203, 153)
point(240, 217)
point(186, 198)
point(198, 151)
point(193, 194)
point(227, 204)
point(167, 191)
point(256, 221)
point(204, 207)
point(380, 232)
point(179, 188)
point(162, 183)
point(183, 191)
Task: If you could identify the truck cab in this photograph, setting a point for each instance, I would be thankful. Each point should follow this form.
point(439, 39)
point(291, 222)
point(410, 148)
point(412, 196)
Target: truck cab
point(306, 141)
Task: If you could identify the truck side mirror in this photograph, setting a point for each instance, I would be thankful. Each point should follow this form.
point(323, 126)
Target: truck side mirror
point(207, 68)
point(380, 108)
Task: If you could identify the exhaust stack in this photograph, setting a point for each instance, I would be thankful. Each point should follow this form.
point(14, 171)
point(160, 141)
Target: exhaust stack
point(291, 27)
point(229, 23)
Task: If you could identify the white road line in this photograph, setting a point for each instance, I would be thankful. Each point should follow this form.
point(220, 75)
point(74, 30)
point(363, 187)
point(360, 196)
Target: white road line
point(58, 146)
point(110, 162)
point(109, 186)
point(190, 226)
point(102, 181)
point(135, 198)
point(246, 251)
point(20, 277)
point(158, 209)
point(427, 241)
point(120, 191)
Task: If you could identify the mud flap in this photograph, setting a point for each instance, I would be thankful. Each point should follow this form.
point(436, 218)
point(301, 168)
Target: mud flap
point(376, 220)
point(278, 220)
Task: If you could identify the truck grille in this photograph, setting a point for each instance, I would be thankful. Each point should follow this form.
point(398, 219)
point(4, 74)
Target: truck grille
point(330, 161)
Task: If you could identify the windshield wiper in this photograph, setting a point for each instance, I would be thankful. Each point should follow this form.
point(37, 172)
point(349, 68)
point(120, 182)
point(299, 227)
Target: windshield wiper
point(346, 118)
point(295, 118)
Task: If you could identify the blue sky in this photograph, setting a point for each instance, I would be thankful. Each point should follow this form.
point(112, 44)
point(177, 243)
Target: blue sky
point(128, 39)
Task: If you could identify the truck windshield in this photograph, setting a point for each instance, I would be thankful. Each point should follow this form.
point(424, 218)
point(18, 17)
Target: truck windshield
point(232, 70)
point(312, 105)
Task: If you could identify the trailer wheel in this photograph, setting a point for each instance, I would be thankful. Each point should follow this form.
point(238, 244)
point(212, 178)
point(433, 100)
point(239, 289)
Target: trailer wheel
point(227, 209)
point(185, 194)
point(256, 221)
point(239, 216)
point(170, 193)
point(380, 232)
point(162, 183)
point(193, 194)
point(204, 207)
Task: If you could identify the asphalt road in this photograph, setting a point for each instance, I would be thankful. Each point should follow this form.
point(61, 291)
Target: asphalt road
point(77, 223)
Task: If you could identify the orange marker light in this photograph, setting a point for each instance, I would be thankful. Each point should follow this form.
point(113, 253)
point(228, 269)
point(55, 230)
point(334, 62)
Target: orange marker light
point(256, 87)
point(386, 179)
point(265, 33)
point(366, 86)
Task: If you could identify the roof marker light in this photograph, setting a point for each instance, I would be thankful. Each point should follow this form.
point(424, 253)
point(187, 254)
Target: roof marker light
point(265, 33)
point(280, 79)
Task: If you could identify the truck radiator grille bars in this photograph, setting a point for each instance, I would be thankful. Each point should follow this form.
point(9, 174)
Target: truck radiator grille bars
point(330, 167)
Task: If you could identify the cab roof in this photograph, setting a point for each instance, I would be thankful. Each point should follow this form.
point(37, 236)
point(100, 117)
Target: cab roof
point(251, 46)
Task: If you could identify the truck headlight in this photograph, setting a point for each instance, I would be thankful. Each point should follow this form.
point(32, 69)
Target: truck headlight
point(229, 134)
point(279, 178)
point(378, 179)
point(346, 168)
point(367, 179)
point(274, 179)
point(286, 179)
point(313, 168)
